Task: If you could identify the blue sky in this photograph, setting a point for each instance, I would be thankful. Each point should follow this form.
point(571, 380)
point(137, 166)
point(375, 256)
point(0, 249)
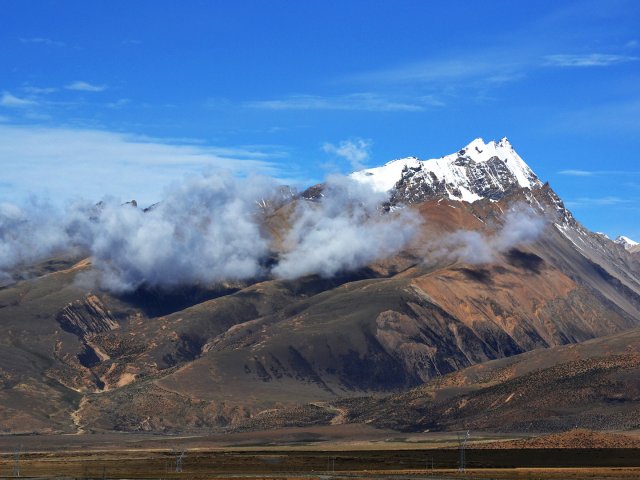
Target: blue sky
point(113, 97)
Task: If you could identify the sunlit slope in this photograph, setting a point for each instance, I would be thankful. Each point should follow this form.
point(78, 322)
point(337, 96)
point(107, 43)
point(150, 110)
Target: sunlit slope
point(195, 358)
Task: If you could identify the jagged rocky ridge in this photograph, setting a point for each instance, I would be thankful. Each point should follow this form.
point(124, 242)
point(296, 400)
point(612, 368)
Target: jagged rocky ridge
point(480, 170)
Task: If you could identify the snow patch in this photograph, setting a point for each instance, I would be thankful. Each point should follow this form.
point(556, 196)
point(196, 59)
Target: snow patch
point(454, 170)
point(626, 242)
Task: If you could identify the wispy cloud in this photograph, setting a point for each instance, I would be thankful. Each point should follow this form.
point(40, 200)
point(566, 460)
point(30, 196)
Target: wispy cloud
point(97, 162)
point(85, 87)
point(121, 102)
point(11, 101)
point(39, 90)
point(584, 202)
point(587, 60)
point(355, 151)
point(369, 102)
point(482, 69)
point(445, 70)
point(42, 41)
point(593, 173)
point(577, 173)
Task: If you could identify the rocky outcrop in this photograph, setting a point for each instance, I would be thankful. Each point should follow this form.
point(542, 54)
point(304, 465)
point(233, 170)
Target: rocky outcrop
point(87, 316)
point(491, 179)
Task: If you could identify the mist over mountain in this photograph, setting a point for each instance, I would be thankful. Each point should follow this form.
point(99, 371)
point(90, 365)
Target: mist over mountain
point(207, 229)
point(239, 304)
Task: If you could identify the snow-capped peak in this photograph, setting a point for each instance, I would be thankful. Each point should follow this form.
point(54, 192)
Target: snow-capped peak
point(626, 242)
point(477, 171)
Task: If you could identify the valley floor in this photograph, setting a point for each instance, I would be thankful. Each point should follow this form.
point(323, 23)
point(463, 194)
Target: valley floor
point(352, 452)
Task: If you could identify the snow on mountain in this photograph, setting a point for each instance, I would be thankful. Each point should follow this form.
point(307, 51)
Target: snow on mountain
point(480, 170)
point(626, 242)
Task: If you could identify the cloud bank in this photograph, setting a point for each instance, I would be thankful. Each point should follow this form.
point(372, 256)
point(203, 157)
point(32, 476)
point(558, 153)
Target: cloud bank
point(343, 231)
point(210, 229)
point(207, 229)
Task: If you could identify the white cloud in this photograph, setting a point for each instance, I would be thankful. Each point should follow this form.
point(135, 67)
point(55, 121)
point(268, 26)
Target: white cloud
point(587, 202)
point(85, 87)
point(343, 231)
point(587, 60)
point(66, 162)
point(370, 102)
point(11, 101)
point(355, 151)
point(521, 226)
point(205, 230)
point(437, 71)
point(577, 173)
point(481, 69)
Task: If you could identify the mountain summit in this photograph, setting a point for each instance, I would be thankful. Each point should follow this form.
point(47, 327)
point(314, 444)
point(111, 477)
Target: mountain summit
point(626, 242)
point(479, 170)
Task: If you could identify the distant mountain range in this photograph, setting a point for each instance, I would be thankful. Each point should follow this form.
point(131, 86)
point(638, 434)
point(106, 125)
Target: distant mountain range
point(487, 309)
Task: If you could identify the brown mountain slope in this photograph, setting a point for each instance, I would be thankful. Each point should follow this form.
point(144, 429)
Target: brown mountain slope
point(594, 385)
point(213, 357)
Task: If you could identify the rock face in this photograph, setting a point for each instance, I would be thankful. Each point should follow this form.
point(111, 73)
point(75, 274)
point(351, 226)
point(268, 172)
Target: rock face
point(86, 316)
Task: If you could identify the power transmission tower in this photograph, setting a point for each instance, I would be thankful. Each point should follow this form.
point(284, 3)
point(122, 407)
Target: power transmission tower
point(462, 442)
point(179, 459)
point(331, 464)
point(16, 461)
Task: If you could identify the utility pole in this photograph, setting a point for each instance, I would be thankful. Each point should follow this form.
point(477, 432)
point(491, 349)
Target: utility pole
point(462, 442)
